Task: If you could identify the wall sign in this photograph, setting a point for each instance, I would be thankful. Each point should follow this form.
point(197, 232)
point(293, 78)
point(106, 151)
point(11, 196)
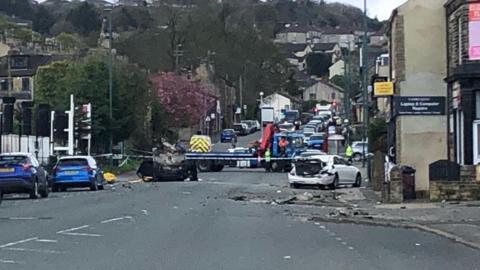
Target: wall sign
point(474, 31)
point(383, 89)
point(419, 105)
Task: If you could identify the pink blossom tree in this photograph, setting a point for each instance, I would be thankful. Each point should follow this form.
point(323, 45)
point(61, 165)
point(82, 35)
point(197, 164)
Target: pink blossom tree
point(186, 102)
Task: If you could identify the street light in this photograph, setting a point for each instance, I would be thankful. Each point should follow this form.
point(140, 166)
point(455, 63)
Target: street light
point(110, 81)
point(365, 80)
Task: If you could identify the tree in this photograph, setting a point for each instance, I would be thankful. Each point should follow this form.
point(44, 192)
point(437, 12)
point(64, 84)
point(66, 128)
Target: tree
point(185, 102)
point(43, 20)
point(318, 63)
point(85, 18)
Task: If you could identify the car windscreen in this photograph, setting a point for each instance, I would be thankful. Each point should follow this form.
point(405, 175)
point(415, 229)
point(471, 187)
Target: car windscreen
point(316, 138)
point(237, 127)
point(13, 160)
point(228, 131)
point(73, 162)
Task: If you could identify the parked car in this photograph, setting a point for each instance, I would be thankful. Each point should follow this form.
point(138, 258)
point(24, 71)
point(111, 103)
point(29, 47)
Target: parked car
point(77, 171)
point(241, 129)
point(308, 130)
point(22, 173)
point(316, 141)
point(323, 170)
point(228, 135)
point(257, 125)
point(357, 147)
point(250, 126)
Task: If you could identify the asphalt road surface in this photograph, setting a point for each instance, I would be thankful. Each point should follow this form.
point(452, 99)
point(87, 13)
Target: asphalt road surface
point(194, 225)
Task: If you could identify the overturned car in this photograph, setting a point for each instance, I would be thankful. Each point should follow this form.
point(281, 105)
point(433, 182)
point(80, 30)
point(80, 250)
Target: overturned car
point(169, 164)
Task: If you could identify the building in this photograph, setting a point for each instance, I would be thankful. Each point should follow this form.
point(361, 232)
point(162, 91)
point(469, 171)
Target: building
point(279, 103)
point(463, 78)
point(343, 36)
point(417, 34)
point(297, 34)
point(337, 69)
point(323, 91)
point(17, 79)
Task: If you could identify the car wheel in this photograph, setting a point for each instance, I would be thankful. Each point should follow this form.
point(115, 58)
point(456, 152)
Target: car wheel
point(357, 157)
point(204, 166)
point(93, 186)
point(294, 185)
point(334, 185)
point(358, 181)
point(34, 191)
point(101, 187)
point(44, 191)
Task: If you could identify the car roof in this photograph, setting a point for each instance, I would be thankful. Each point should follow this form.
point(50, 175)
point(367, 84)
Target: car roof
point(17, 154)
point(75, 157)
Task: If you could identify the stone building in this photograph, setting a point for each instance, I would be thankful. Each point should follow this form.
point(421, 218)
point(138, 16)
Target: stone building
point(418, 63)
point(463, 78)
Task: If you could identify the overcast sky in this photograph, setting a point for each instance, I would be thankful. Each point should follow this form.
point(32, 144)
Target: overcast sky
point(380, 8)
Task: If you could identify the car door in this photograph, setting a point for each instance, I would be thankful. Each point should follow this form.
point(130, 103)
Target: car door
point(341, 169)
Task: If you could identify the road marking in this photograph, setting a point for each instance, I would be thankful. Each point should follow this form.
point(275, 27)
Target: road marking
point(46, 240)
point(18, 242)
point(116, 219)
point(135, 181)
point(72, 233)
point(35, 250)
point(21, 218)
point(339, 239)
point(10, 262)
point(145, 212)
point(351, 248)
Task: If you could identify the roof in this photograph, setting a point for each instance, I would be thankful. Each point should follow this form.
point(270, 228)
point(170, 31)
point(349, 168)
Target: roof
point(34, 62)
point(299, 29)
point(290, 48)
point(313, 82)
point(324, 46)
point(338, 31)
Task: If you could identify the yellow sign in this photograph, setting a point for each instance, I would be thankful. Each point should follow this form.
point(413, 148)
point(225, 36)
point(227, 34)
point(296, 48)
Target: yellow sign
point(383, 89)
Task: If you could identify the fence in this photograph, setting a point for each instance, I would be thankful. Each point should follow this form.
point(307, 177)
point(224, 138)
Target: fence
point(39, 146)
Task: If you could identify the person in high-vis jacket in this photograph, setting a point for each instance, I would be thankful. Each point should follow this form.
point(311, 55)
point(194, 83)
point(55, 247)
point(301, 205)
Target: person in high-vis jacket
point(268, 159)
point(349, 152)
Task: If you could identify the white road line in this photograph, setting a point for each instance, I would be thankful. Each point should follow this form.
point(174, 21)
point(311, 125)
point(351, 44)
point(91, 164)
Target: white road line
point(35, 250)
point(116, 219)
point(46, 241)
point(18, 242)
point(72, 233)
point(73, 229)
point(10, 262)
point(21, 218)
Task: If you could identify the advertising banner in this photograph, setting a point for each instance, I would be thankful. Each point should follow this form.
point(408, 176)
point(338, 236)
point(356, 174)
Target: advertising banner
point(474, 31)
point(419, 105)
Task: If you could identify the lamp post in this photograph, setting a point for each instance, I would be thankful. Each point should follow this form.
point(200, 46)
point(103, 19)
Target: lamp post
point(110, 82)
point(365, 81)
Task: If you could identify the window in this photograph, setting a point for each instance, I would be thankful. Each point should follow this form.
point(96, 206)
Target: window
point(460, 43)
point(4, 85)
point(25, 84)
point(19, 62)
point(313, 96)
point(477, 105)
point(334, 95)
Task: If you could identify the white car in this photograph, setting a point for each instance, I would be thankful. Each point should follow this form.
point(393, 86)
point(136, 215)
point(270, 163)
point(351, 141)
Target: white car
point(323, 170)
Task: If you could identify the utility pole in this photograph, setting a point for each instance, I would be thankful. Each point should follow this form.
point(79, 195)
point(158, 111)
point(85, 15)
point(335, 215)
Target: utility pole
point(110, 84)
point(365, 81)
point(240, 86)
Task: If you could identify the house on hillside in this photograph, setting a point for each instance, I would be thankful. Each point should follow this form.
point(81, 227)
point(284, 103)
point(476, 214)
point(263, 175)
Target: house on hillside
point(18, 78)
point(297, 34)
point(279, 103)
point(345, 37)
point(337, 69)
point(295, 54)
point(323, 91)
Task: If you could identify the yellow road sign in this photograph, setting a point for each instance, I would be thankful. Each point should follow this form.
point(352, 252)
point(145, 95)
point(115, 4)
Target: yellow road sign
point(383, 89)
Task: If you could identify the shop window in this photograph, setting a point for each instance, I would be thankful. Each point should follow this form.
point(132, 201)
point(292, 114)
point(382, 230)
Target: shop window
point(4, 85)
point(477, 105)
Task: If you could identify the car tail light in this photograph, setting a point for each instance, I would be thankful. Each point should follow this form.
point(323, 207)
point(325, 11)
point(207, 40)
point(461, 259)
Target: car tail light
point(26, 167)
point(88, 169)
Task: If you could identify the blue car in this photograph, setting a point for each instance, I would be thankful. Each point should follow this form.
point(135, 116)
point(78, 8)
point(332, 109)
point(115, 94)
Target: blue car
point(77, 171)
point(228, 135)
point(316, 141)
point(22, 173)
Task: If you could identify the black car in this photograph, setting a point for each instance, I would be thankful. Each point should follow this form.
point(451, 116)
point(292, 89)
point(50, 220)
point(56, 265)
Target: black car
point(241, 129)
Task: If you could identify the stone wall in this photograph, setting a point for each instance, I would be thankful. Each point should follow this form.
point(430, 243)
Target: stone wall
point(454, 191)
point(393, 191)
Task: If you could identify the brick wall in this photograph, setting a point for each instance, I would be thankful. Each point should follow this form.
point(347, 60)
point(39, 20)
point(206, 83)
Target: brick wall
point(454, 191)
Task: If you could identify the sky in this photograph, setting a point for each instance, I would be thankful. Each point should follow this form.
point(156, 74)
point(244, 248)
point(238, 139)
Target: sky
point(380, 8)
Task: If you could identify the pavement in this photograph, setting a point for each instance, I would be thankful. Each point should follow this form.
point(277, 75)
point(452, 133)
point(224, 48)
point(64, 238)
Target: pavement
point(237, 219)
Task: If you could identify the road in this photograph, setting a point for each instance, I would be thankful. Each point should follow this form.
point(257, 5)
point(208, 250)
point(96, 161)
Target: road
point(194, 225)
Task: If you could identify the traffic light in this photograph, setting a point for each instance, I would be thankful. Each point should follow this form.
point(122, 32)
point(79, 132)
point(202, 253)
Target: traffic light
point(83, 125)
